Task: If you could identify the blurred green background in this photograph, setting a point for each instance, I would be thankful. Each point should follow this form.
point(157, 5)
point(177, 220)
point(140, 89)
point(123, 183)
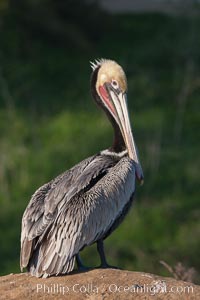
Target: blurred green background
point(48, 121)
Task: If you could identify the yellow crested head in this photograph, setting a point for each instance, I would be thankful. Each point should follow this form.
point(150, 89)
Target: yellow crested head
point(110, 72)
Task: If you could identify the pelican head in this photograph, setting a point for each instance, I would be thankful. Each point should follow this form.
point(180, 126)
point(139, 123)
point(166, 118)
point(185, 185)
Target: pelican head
point(111, 88)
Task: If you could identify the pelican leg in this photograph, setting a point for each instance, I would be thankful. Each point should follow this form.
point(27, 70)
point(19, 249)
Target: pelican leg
point(100, 249)
point(80, 264)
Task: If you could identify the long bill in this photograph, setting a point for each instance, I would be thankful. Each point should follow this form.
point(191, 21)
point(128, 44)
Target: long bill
point(121, 115)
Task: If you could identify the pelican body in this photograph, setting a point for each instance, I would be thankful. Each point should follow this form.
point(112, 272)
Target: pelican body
point(86, 203)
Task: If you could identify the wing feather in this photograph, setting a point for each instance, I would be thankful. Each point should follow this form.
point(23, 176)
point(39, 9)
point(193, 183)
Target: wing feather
point(88, 217)
point(47, 204)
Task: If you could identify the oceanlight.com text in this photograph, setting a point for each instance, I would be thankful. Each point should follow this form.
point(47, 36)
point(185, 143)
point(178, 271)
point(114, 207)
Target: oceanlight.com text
point(156, 287)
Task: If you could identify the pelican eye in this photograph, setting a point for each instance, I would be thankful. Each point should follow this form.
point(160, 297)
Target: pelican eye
point(115, 84)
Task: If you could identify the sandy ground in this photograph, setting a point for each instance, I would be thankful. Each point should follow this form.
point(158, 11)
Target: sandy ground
point(97, 284)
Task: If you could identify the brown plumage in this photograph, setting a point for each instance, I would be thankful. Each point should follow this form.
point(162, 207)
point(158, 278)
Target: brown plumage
point(86, 203)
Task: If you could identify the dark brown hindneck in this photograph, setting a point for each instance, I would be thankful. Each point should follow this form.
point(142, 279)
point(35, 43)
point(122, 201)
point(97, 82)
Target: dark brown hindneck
point(118, 143)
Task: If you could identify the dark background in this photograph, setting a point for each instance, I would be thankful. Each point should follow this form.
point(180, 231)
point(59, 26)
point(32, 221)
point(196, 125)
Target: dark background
point(48, 121)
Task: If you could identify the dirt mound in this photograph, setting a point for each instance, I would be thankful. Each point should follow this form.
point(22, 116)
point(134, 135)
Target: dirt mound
point(97, 284)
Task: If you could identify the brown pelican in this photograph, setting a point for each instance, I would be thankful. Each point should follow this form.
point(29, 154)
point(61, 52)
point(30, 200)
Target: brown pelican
point(86, 203)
